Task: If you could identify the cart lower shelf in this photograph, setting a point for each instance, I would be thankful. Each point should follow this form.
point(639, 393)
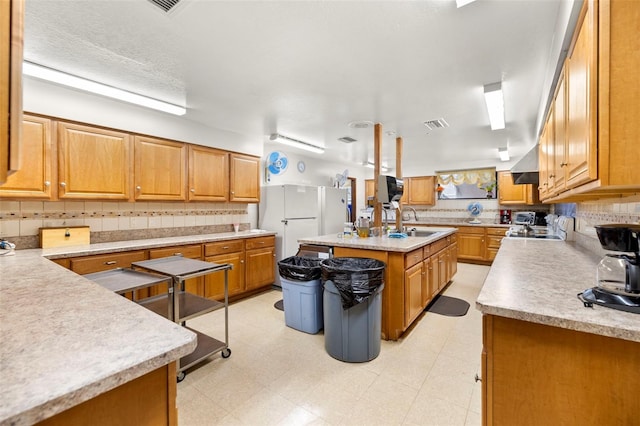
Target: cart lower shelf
point(190, 305)
point(207, 346)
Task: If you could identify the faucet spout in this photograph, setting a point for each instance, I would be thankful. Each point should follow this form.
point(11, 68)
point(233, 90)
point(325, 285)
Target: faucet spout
point(415, 214)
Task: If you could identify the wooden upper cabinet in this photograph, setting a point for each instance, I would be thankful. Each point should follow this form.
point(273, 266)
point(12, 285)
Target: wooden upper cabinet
point(35, 178)
point(581, 162)
point(93, 163)
point(422, 190)
point(160, 169)
point(244, 179)
point(545, 156)
point(208, 174)
point(404, 200)
point(558, 141)
point(369, 189)
point(508, 193)
point(11, 46)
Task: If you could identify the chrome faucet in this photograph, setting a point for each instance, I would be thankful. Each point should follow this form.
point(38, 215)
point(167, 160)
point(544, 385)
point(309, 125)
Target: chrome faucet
point(415, 214)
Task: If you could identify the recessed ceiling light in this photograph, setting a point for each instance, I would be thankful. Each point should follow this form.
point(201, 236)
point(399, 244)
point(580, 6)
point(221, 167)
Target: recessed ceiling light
point(347, 139)
point(391, 133)
point(362, 124)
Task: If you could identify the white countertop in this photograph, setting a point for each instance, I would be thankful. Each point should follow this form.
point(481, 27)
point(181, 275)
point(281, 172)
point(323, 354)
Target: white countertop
point(383, 243)
point(66, 339)
point(538, 281)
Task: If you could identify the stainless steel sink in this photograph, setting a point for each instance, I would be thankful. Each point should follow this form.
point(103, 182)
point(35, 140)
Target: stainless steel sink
point(419, 233)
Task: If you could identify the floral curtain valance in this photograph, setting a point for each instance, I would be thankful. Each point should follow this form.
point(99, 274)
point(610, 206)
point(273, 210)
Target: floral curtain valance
point(480, 177)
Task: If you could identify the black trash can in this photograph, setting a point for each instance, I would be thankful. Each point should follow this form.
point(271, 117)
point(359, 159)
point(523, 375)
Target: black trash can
point(301, 293)
point(352, 305)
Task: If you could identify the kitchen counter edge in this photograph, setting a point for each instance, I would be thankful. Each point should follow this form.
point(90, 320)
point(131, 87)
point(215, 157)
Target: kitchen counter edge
point(538, 281)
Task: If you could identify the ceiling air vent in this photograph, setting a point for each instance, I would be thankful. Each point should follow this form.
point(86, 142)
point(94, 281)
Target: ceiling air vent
point(438, 123)
point(363, 124)
point(347, 139)
point(165, 5)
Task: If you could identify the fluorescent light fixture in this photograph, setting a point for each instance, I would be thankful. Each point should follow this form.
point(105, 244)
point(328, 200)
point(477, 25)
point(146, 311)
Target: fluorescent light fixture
point(296, 143)
point(460, 3)
point(49, 74)
point(504, 154)
point(371, 165)
point(495, 105)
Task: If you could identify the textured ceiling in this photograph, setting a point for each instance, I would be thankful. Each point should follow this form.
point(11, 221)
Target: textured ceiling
point(306, 69)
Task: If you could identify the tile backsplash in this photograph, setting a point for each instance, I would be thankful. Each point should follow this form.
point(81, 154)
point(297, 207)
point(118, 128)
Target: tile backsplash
point(456, 211)
point(20, 221)
point(590, 214)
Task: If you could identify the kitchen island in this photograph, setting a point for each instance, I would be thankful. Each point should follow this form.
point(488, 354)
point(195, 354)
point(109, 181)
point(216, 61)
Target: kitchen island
point(73, 351)
point(417, 270)
point(548, 359)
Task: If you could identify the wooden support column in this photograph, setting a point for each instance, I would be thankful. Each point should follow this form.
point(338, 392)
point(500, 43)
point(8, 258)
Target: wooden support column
point(377, 151)
point(399, 176)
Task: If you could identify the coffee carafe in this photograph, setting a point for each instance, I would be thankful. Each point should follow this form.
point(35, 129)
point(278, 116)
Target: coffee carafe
point(505, 216)
point(618, 273)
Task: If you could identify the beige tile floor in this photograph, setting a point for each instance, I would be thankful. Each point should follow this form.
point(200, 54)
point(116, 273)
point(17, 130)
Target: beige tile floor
point(280, 376)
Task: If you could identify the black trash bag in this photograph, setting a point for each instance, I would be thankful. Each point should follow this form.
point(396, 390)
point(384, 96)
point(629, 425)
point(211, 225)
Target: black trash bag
point(355, 278)
point(299, 268)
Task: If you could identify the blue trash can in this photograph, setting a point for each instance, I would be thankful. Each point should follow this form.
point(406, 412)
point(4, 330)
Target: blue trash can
point(302, 293)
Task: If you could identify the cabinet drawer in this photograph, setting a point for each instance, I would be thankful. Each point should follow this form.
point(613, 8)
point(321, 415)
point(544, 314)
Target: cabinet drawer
point(105, 262)
point(470, 230)
point(439, 245)
point(191, 252)
point(494, 242)
point(412, 258)
point(223, 247)
point(453, 238)
point(497, 231)
point(253, 243)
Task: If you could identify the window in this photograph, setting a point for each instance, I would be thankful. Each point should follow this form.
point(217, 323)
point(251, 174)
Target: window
point(467, 184)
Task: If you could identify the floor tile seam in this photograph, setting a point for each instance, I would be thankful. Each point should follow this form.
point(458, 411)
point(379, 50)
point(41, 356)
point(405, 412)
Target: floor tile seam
point(205, 396)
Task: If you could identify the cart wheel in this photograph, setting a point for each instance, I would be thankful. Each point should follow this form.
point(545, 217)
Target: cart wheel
point(181, 376)
point(226, 353)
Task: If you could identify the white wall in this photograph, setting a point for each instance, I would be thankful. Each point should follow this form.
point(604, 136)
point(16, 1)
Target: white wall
point(57, 101)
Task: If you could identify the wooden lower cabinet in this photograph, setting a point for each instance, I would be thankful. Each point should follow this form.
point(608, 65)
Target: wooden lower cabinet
point(411, 281)
point(149, 400)
point(413, 303)
point(260, 267)
point(225, 252)
point(493, 239)
point(471, 243)
point(535, 374)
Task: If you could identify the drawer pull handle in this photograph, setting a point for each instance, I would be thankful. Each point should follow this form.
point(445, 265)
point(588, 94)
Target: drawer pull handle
point(111, 262)
point(477, 378)
point(177, 254)
point(225, 248)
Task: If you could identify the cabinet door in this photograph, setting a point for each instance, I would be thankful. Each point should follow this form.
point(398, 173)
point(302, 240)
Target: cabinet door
point(422, 190)
point(412, 293)
point(471, 246)
point(427, 282)
point(581, 93)
point(559, 164)
point(260, 264)
point(214, 283)
point(93, 163)
point(160, 169)
point(435, 275)
point(453, 260)
point(244, 181)
point(208, 174)
point(545, 155)
point(508, 193)
point(443, 261)
point(34, 179)
point(369, 189)
point(11, 46)
point(192, 285)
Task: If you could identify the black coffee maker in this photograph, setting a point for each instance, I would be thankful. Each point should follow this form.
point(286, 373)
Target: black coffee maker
point(618, 273)
point(505, 216)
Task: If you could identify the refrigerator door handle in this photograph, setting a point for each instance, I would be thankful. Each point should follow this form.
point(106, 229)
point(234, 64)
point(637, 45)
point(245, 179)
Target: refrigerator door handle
point(285, 221)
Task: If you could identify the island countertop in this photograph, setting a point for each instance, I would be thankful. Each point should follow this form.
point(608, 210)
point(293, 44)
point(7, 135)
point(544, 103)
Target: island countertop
point(382, 243)
point(66, 340)
point(538, 281)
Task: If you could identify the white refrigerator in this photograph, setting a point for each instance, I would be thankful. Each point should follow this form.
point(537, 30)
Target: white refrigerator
point(334, 210)
point(292, 211)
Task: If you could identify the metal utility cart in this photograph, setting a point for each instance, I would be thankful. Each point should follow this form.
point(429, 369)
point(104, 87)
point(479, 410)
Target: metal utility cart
point(182, 306)
point(125, 280)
